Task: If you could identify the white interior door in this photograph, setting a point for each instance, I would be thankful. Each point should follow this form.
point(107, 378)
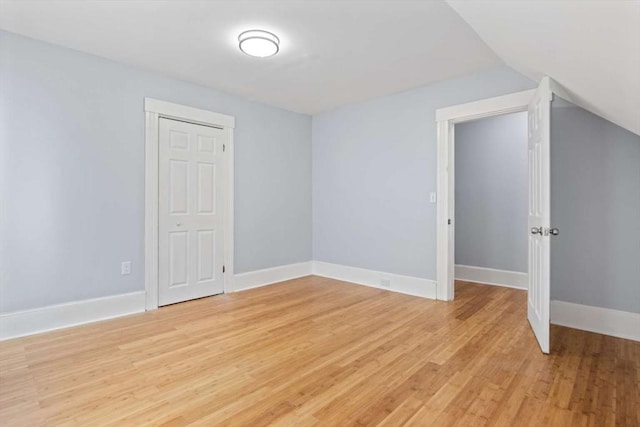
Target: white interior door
point(539, 213)
point(191, 211)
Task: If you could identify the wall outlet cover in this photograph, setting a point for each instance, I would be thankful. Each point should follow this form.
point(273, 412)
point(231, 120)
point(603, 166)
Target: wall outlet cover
point(125, 268)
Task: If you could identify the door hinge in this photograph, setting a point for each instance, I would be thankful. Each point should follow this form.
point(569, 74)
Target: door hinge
point(224, 147)
point(448, 222)
point(223, 269)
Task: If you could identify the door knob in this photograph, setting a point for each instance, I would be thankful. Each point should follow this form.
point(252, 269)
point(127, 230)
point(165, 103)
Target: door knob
point(554, 231)
point(536, 230)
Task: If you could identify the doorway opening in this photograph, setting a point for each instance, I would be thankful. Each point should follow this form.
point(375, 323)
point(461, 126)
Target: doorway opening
point(491, 201)
point(447, 118)
point(537, 104)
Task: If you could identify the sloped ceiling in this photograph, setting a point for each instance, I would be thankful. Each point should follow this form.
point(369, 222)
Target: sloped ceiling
point(333, 52)
point(591, 48)
point(336, 52)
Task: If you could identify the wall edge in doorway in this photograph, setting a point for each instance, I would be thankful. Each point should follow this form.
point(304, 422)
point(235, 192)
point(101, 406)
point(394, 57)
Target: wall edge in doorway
point(492, 276)
point(53, 317)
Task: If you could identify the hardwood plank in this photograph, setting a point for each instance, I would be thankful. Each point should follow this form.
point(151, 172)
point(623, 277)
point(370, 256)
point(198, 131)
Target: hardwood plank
point(317, 351)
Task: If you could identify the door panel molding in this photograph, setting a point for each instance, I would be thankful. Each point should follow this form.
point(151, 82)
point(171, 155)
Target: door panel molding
point(154, 110)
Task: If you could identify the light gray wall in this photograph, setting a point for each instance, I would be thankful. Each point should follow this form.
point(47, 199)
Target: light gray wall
point(491, 189)
point(595, 202)
point(374, 164)
point(72, 174)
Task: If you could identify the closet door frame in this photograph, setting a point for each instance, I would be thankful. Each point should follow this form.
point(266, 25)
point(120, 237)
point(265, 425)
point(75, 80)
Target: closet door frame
point(154, 110)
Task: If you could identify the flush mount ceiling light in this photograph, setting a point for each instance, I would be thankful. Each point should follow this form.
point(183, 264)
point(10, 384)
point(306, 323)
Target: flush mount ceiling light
point(259, 43)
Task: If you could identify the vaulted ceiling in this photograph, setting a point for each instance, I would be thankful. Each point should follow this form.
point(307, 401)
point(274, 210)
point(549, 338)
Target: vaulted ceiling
point(337, 52)
point(591, 48)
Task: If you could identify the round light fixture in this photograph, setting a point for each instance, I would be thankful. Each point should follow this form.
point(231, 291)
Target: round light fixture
point(259, 43)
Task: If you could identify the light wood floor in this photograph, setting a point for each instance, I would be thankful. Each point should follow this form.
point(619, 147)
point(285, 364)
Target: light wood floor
point(316, 351)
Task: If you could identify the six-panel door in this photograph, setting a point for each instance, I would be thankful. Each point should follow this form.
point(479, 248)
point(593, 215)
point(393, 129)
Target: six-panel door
point(538, 305)
point(190, 211)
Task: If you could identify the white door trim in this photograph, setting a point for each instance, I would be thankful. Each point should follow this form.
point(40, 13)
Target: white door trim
point(446, 118)
point(154, 110)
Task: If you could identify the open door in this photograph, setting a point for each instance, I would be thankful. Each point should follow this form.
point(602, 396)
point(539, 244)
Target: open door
point(539, 213)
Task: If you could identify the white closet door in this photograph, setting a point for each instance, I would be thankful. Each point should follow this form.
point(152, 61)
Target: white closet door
point(191, 222)
point(539, 214)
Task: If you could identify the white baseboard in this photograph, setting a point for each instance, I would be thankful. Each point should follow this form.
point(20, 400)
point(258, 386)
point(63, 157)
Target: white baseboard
point(621, 324)
point(268, 276)
point(397, 283)
point(28, 322)
point(492, 276)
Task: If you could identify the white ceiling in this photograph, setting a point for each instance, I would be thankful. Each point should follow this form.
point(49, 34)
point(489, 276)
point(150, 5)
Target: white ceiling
point(332, 52)
point(592, 48)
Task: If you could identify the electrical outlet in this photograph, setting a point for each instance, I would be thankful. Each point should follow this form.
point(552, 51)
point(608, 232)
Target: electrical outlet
point(125, 268)
point(385, 282)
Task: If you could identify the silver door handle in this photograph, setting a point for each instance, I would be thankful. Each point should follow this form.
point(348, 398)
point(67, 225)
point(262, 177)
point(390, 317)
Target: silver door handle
point(536, 230)
point(554, 231)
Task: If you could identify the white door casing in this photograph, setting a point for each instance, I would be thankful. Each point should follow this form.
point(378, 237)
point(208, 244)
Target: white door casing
point(538, 305)
point(446, 118)
point(154, 110)
point(191, 211)
point(538, 104)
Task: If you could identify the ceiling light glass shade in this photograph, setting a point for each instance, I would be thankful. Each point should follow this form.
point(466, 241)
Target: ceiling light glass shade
point(259, 43)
